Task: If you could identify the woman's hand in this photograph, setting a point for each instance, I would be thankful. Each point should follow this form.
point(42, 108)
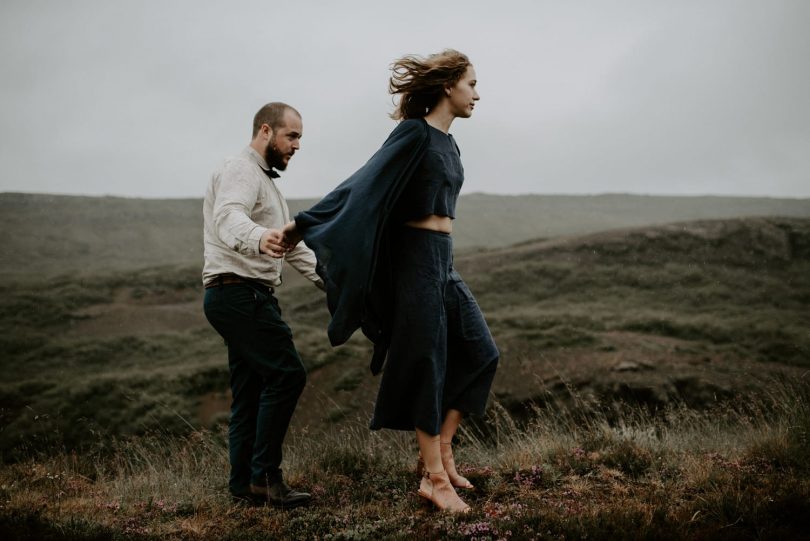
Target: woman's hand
point(291, 235)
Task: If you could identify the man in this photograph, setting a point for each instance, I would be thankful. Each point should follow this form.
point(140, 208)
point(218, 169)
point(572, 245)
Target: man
point(243, 215)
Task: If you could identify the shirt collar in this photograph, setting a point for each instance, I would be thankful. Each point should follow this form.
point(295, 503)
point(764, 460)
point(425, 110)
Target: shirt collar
point(261, 162)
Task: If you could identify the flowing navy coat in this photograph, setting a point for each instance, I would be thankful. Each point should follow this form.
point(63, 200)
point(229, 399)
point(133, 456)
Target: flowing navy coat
point(347, 231)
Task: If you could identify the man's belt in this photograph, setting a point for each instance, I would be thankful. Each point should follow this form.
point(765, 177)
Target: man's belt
point(230, 278)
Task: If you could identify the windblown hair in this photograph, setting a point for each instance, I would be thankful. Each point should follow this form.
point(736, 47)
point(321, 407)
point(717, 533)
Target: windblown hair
point(271, 114)
point(421, 81)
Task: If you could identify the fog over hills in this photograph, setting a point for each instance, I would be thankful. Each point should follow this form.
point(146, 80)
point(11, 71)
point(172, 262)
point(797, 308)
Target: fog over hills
point(54, 234)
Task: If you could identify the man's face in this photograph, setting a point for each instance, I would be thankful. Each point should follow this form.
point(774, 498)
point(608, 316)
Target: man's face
point(284, 141)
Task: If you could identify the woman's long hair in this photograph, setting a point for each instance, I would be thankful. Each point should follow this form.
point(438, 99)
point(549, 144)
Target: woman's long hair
point(421, 81)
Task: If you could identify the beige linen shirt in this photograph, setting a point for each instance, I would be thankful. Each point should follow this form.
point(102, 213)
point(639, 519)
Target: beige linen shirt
point(241, 203)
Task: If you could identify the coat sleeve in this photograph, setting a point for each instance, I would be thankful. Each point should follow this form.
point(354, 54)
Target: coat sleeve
point(345, 227)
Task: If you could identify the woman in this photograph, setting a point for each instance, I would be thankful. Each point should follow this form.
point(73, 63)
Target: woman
point(385, 253)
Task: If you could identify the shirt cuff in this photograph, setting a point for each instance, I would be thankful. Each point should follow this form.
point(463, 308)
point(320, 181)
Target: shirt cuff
point(255, 238)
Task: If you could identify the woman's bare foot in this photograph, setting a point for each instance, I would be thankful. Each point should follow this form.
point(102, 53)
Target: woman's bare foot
point(436, 487)
point(449, 463)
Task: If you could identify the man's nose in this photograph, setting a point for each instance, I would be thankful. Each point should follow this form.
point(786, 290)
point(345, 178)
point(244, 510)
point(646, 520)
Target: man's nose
point(296, 144)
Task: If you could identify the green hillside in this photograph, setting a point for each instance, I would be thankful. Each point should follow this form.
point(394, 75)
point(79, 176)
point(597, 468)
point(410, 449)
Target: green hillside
point(695, 312)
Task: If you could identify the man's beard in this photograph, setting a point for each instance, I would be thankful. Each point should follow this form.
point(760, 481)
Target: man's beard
point(273, 157)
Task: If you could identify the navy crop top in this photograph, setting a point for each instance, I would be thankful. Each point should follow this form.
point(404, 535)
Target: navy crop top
point(436, 182)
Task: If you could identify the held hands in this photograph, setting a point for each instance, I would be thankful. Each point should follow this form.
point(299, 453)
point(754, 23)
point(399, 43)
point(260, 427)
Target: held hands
point(291, 235)
point(276, 242)
point(272, 243)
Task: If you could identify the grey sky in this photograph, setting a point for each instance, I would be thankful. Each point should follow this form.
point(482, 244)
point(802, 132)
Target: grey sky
point(660, 97)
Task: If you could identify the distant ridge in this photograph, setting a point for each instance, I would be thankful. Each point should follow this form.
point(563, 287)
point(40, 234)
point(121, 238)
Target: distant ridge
point(512, 219)
point(55, 234)
point(741, 242)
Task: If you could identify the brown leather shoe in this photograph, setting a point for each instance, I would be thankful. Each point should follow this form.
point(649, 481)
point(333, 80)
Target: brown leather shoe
point(279, 494)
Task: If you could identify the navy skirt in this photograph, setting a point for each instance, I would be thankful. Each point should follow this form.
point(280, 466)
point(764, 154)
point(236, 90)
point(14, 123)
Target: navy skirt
point(442, 355)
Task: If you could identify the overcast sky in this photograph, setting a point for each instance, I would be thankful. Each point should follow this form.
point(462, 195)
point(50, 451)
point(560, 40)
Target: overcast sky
point(145, 98)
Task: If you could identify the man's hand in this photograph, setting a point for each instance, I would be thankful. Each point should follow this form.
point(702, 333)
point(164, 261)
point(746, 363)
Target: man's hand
point(291, 235)
point(272, 243)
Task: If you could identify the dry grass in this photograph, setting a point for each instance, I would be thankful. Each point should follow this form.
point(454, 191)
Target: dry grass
point(737, 472)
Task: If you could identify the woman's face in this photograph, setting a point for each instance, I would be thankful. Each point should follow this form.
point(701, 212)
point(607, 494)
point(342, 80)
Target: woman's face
point(463, 95)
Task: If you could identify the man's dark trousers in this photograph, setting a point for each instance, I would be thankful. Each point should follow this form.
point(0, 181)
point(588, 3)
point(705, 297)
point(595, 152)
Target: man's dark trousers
point(267, 377)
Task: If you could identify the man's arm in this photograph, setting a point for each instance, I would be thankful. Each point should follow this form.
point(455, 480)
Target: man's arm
point(303, 260)
point(235, 198)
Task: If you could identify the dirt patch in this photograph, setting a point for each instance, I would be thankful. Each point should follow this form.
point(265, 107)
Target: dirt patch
point(214, 408)
point(122, 318)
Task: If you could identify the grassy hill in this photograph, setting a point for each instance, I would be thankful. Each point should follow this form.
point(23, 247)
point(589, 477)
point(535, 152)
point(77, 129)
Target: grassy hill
point(653, 385)
point(50, 234)
point(694, 312)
